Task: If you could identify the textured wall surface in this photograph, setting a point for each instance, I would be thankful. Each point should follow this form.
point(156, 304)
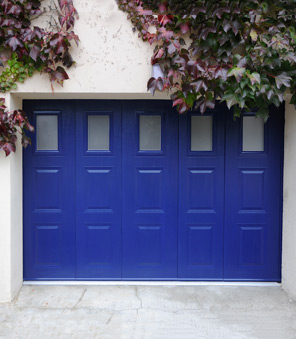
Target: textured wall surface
point(110, 57)
point(289, 211)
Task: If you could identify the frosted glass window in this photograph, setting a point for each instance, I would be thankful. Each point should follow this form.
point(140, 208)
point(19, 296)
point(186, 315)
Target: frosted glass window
point(98, 133)
point(201, 133)
point(150, 133)
point(253, 134)
point(47, 132)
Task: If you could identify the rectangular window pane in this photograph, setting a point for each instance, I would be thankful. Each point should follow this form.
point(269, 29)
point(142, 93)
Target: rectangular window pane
point(253, 134)
point(201, 133)
point(150, 133)
point(47, 132)
point(98, 133)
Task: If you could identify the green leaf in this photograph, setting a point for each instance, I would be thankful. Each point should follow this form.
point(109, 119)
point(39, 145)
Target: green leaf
point(236, 112)
point(283, 80)
point(254, 34)
point(238, 72)
point(263, 113)
point(293, 99)
point(254, 77)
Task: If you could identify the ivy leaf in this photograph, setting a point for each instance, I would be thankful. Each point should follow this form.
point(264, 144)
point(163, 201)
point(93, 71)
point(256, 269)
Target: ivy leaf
point(198, 85)
point(254, 78)
point(61, 75)
point(5, 53)
point(171, 48)
point(7, 147)
point(26, 141)
point(165, 19)
point(205, 105)
point(158, 54)
point(67, 59)
point(293, 99)
point(283, 79)
point(185, 27)
point(254, 35)
point(236, 112)
point(15, 10)
point(263, 113)
point(142, 11)
point(14, 43)
point(182, 107)
point(242, 63)
point(155, 84)
point(162, 8)
point(165, 34)
point(235, 27)
point(34, 52)
point(221, 73)
point(238, 72)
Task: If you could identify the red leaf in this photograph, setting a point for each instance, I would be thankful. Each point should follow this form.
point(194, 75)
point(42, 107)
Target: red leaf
point(34, 52)
point(7, 147)
point(155, 84)
point(162, 8)
point(165, 33)
point(143, 11)
point(14, 43)
point(185, 27)
point(164, 19)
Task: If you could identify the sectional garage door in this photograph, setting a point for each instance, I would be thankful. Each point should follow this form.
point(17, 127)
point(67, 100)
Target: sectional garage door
point(129, 190)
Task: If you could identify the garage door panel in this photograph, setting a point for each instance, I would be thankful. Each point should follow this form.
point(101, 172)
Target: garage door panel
point(48, 180)
point(99, 244)
point(149, 202)
point(149, 249)
point(252, 198)
point(98, 195)
point(48, 245)
point(49, 172)
point(251, 244)
point(99, 189)
point(149, 188)
point(200, 247)
point(201, 196)
point(201, 180)
point(252, 189)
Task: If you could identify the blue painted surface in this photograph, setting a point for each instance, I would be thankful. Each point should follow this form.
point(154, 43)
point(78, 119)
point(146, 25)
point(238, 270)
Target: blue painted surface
point(253, 198)
point(170, 214)
point(49, 199)
point(201, 197)
point(149, 199)
point(98, 196)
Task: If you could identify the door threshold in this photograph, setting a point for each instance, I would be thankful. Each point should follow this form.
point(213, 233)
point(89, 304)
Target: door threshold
point(154, 283)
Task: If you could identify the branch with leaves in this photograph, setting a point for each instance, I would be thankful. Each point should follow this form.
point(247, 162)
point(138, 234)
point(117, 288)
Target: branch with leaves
point(26, 49)
point(241, 52)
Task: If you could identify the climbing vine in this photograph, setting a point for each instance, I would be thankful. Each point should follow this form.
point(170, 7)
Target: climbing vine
point(26, 49)
point(242, 52)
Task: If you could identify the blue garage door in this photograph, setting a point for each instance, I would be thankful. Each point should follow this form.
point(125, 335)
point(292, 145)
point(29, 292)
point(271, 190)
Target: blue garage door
point(129, 190)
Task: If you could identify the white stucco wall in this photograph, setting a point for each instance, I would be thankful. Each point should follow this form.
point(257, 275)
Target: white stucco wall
point(111, 63)
point(110, 57)
point(289, 210)
point(11, 262)
point(5, 225)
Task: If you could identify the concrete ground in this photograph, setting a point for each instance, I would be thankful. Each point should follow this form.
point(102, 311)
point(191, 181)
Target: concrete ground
point(152, 312)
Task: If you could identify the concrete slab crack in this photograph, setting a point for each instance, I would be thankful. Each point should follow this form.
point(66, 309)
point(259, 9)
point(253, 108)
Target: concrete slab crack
point(110, 318)
point(82, 295)
point(138, 297)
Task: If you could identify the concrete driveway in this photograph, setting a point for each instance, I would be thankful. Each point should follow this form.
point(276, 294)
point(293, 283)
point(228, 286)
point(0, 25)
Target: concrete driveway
point(152, 312)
